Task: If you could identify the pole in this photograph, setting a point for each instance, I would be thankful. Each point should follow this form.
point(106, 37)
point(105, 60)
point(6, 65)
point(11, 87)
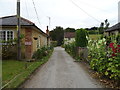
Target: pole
point(18, 27)
point(49, 21)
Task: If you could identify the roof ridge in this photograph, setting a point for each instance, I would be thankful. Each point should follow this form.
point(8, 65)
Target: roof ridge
point(27, 20)
point(16, 16)
point(8, 16)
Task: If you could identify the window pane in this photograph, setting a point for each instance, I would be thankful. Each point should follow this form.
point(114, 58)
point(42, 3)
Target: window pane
point(6, 35)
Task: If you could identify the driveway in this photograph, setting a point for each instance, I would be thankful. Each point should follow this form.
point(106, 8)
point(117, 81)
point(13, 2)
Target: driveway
point(61, 72)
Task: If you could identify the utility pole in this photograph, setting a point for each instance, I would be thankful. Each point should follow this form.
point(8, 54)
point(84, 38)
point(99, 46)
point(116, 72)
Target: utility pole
point(18, 28)
point(49, 21)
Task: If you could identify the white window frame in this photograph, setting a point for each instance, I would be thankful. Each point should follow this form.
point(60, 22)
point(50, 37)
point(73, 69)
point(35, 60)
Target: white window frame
point(6, 39)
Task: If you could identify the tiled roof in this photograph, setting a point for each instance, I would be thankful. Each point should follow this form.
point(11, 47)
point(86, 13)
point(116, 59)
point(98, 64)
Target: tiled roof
point(69, 34)
point(113, 28)
point(12, 20)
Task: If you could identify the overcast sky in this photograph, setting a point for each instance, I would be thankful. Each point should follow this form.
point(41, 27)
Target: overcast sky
point(65, 13)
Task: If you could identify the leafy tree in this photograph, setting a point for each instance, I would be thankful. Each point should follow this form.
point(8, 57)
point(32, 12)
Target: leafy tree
point(103, 26)
point(57, 35)
point(69, 30)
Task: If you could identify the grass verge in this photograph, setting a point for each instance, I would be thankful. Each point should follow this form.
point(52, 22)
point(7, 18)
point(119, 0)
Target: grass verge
point(15, 72)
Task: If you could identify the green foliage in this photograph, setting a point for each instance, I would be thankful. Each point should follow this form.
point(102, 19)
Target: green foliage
point(57, 35)
point(71, 49)
point(42, 52)
point(103, 26)
point(102, 61)
point(93, 32)
point(69, 30)
point(94, 36)
point(80, 38)
point(54, 43)
point(9, 48)
point(118, 38)
point(9, 52)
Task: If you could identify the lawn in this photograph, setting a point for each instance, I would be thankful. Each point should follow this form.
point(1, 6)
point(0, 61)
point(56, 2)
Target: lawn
point(94, 36)
point(15, 72)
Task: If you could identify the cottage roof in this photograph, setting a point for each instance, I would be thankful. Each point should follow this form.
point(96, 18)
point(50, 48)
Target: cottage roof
point(69, 34)
point(113, 28)
point(12, 21)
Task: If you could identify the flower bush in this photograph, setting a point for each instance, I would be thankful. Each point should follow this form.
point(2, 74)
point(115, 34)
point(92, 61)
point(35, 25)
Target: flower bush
point(71, 49)
point(105, 58)
point(42, 52)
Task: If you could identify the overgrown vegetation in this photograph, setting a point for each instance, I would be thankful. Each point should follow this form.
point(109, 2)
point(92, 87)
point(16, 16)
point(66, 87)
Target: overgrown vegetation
point(77, 49)
point(104, 56)
point(71, 49)
point(9, 48)
point(42, 52)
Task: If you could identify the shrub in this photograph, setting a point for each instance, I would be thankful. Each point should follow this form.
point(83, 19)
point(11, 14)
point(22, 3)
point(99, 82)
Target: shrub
point(9, 52)
point(42, 52)
point(54, 43)
point(81, 38)
point(102, 60)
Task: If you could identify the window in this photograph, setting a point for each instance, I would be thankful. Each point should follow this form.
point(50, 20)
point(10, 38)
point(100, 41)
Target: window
point(6, 35)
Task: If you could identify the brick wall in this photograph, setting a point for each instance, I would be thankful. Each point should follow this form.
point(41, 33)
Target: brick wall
point(28, 43)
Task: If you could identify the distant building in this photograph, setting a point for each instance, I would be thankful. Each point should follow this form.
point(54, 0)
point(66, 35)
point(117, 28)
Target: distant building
point(114, 30)
point(69, 37)
point(34, 37)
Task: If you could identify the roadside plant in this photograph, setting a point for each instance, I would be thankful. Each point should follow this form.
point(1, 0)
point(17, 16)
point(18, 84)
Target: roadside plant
point(42, 52)
point(105, 58)
point(81, 38)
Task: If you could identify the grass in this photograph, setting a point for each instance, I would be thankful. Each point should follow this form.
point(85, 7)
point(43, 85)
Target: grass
point(11, 68)
point(94, 36)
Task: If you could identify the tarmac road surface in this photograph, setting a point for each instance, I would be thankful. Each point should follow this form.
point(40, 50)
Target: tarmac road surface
point(61, 72)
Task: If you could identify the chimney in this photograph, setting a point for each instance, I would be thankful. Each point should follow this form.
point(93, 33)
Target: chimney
point(119, 12)
point(47, 31)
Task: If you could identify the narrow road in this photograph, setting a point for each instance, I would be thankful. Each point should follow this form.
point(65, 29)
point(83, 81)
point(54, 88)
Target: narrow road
point(61, 72)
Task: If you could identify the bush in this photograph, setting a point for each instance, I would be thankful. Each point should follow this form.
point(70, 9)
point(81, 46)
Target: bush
point(80, 38)
point(102, 60)
point(71, 49)
point(42, 52)
point(54, 43)
point(9, 52)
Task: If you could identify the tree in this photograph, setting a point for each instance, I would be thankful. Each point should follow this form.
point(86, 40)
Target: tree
point(57, 35)
point(103, 26)
point(69, 30)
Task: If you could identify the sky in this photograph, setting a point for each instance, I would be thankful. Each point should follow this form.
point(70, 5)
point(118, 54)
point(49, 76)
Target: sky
point(65, 13)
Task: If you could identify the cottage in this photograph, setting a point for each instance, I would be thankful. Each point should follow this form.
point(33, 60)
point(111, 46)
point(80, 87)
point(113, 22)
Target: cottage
point(114, 30)
point(69, 37)
point(34, 37)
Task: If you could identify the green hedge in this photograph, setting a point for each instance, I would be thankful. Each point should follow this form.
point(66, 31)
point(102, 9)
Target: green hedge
point(80, 38)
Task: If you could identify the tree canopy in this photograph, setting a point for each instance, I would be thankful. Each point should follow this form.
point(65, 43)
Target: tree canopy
point(57, 35)
point(70, 29)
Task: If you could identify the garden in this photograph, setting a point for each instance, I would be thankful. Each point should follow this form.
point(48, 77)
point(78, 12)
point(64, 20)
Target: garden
point(102, 54)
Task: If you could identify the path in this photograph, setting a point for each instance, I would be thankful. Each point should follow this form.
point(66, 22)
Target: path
point(61, 72)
